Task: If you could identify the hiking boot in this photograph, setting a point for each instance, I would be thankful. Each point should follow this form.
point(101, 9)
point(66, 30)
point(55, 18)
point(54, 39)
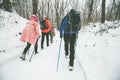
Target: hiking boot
point(66, 56)
point(23, 57)
point(70, 68)
point(47, 45)
point(36, 52)
point(41, 47)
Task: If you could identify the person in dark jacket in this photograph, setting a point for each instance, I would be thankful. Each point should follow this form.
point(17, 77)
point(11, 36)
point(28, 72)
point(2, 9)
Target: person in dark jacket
point(70, 27)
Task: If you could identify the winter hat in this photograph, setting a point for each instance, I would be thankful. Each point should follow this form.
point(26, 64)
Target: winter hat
point(33, 17)
point(72, 11)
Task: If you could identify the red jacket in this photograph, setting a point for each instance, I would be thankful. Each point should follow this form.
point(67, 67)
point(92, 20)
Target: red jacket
point(48, 25)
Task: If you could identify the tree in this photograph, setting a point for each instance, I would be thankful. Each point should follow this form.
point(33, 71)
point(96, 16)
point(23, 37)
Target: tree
point(90, 10)
point(113, 8)
point(118, 12)
point(35, 6)
point(6, 5)
point(103, 11)
point(60, 9)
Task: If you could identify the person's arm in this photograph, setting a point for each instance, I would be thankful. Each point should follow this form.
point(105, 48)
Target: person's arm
point(62, 26)
point(79, 23)
point(37, 29)
point(48, 25)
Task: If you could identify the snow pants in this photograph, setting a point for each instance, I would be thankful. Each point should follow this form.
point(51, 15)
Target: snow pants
point(70, 40)
point(43, 38)
point(28, 46)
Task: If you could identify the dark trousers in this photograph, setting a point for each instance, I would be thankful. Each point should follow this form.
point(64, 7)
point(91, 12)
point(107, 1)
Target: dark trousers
point(43, 38)
point(28, 46)
point(70, 40)
point(51, 38)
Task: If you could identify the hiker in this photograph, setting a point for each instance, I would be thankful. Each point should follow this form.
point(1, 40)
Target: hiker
point(30, 34)
point(52, 34)
point(70, 25)
point(45, 32)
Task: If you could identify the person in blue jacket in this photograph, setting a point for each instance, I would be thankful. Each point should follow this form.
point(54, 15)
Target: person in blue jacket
point(69, 29)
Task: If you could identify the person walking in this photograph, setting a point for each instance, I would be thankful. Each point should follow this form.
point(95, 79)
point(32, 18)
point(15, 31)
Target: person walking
point(70, 27)
point(45, 32)
point(52, 34)
point(30, 34)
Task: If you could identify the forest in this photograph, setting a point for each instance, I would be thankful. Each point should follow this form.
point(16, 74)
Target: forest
point(97, 46)
point(55, 10)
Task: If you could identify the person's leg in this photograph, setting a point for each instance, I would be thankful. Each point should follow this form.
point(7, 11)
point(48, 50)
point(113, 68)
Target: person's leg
point(26, 48)
point(36, 46)
point(51, 38)
point(66, 45)
point(42, 40)
point(47, 38)
point(50, 33)
point(25, 51)
point(72, 49)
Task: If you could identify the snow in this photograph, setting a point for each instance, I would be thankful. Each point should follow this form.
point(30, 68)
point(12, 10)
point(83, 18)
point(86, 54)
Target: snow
point(97, 53)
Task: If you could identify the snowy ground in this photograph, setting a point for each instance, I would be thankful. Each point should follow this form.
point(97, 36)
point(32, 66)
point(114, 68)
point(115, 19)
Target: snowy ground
point(97, 53)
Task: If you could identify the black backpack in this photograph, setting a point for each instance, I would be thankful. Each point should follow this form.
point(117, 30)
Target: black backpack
point(42, 24)
point(73, 22)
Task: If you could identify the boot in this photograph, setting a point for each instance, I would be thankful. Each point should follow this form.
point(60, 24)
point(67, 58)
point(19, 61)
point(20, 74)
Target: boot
point(23, 57)
point(36, 52)
point(66, 55)
point(70, 68)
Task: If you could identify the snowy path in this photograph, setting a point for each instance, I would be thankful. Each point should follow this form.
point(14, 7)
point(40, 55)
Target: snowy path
point(98, 52)
point(42, 66)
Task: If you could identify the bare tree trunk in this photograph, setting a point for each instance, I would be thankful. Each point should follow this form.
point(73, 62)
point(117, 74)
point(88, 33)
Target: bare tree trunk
point(6, 5)
point(35, 6)
point(103, 11)
point(60, 10)
point(113, 6)
point(90, 11)
point(118, 12)
point(57, 6)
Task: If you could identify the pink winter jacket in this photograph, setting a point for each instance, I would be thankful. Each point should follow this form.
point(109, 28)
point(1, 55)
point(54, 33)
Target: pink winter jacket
point(30, 32)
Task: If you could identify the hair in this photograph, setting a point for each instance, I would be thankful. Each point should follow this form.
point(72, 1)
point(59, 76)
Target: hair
point(46, 17)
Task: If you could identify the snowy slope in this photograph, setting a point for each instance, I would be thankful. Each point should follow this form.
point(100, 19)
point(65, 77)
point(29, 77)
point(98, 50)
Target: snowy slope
point(10, 26)
point(97, 53)
point(99, 50)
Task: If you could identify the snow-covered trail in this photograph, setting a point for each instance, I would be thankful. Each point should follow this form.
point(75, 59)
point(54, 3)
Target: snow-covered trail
point(98, 52)
point(42, 65)
point(99, 56)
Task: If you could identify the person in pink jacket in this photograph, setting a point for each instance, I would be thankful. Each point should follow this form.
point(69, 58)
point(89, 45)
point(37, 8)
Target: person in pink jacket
point(30, 35)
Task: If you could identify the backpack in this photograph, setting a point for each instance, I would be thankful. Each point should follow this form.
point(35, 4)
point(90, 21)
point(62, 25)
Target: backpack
point(73, 22)
point(43, 25)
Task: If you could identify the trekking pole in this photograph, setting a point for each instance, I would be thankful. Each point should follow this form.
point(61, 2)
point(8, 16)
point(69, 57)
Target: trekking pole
point(59, 55)
point(31, 56)
point(28, 52)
